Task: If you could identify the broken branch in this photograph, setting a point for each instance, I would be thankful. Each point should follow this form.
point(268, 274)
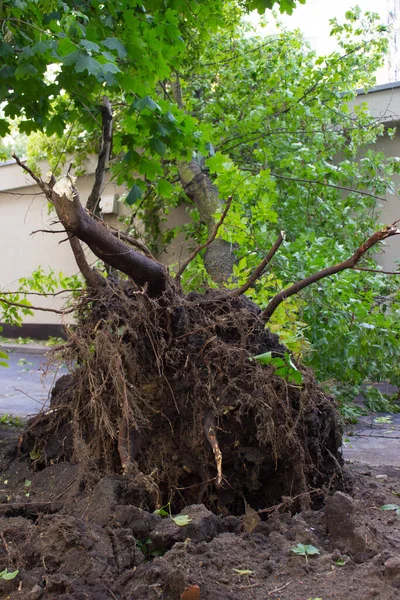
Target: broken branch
point(374, 239)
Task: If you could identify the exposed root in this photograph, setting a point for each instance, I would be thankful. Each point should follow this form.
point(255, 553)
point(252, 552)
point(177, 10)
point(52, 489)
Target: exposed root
point(152, 378)
point(210, 431)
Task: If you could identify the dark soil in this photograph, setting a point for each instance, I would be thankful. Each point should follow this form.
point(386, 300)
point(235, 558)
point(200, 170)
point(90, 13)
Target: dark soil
point(71, 541)
point(168, 390)
point(165, 406)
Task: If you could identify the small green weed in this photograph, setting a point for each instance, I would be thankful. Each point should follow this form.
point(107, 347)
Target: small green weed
point(10, 420)
point(180, 520)
point(305, 550)
point(8, 575)
point(395, 507)
point(145, 547)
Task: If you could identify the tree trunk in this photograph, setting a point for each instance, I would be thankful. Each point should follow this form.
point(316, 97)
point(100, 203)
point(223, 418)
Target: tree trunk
point(219, 258)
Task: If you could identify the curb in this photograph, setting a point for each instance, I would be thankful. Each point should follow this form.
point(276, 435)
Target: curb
point(25, 348)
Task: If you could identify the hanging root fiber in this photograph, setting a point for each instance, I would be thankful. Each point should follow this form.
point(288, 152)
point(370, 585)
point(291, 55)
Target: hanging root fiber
point(164, 391)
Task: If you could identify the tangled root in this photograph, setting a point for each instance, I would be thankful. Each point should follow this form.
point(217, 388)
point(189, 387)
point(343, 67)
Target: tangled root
point(164, 389)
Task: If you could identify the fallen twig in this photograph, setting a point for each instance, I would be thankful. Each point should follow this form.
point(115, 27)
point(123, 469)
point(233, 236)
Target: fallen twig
point(279, 589)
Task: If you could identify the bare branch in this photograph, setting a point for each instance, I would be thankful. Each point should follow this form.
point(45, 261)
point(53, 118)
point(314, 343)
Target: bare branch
point(45, 294)
point(47, 231)
point(375, 238)
point(260, 269)
point(331, 185)
point(32, 174)
point(104, 156)
point(208, 242)
point(93, 279)
point(42, 308)
point(376, 271)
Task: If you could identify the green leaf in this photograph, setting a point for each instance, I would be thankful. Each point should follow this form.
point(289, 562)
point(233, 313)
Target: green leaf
point(181, 520)
point(390, 507)
point(25, 70)
point(161, 512)
point(115, 44)
point(87, 63)
point(305, 550)
point(134, 195)
point(146, 102)
point(56, 126)
point(4, 127)
point(165, 188)
point(157, 146)
point(90, 46)
point(263, 359)
point(7, 576)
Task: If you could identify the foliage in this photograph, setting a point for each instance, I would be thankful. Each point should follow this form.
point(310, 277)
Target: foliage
point(284, 366)
point(180, 520)
point(40, 282)
point(279, 154)
point(305, 550)
point(11, 420)
point(7, 575)
point(395, 507)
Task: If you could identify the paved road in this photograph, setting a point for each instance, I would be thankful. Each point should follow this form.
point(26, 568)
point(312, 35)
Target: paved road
point(375, 440)
point(25, 384)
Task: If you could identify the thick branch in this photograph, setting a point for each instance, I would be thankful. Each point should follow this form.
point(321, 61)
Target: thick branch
point(104, 156)
point(102, 242)
point(130, 240)
point(208, 242)
point(109, 248)
point(375, 238)
point(260, 269)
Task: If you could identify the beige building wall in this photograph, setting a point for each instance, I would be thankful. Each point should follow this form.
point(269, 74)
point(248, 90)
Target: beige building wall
point(384, 104)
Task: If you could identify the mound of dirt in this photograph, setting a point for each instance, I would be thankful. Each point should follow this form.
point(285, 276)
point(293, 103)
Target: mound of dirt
point(71, 541)
point(168, 390)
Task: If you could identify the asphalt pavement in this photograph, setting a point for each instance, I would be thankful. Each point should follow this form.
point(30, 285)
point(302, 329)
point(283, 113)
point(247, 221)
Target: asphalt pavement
point(25, 387)
point(26, 383)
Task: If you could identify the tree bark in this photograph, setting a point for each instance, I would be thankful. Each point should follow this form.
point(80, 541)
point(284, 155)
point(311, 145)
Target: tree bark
point(219, 258)
point(109, 248)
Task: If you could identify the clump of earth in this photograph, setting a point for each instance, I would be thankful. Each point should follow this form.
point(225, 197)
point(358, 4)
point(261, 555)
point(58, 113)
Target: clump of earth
point(72, 539)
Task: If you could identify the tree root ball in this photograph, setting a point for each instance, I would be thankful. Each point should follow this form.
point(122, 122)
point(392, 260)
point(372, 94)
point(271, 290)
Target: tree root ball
point(165, 391)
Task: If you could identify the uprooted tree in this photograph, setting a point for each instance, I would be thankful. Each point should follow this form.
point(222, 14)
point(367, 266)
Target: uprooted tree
point(179, 389)
point(188, 392)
